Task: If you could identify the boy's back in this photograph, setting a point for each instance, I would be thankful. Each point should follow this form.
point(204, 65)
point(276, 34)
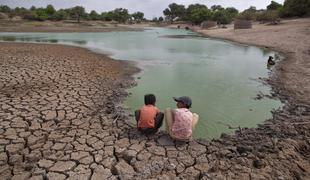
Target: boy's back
point(147, 116)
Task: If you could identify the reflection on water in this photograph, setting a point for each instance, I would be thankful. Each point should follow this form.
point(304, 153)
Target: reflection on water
point(77, 42)
point(8, 38)
point(220, 77)
point(40, 40)
point(191, 36)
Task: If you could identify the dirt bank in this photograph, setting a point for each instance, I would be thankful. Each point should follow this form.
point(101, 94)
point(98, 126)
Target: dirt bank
point(64, 26)
point(60, 118)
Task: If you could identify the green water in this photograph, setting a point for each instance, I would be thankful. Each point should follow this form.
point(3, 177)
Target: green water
point(220, 77)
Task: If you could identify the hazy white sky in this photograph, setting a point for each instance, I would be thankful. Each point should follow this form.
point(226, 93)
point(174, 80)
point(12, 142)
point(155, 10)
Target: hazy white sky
point(151, 8)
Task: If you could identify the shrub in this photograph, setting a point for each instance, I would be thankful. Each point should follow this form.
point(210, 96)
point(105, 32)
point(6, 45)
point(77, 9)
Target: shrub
point(268, 16)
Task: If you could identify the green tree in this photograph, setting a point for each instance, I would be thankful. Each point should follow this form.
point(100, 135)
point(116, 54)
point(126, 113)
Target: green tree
point(103, 16)
point(5, 9)
point(120, 15)
point(193, 7)
point(199, 14)
point(61, 14)
point(222, 17)
point(167, 13)
point(77, 12)
point(50, 10)
point(251, 9)
point(138, 16)
point(40, 14)
point(274, 6)
point(175, 10)
point(33, 8)
point(295, 8)
point(94, 15)
point(107, 16)
point(232, 12)
point(216, 7)
point(160, 19)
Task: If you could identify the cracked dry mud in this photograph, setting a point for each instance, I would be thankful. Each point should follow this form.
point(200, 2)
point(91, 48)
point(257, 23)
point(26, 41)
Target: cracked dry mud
point(60, 118)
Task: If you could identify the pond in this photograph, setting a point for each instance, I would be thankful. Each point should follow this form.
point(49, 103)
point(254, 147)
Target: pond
point(222, 78)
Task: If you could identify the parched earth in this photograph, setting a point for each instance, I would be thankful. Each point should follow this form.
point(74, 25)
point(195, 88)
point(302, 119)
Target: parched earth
point(60, 117)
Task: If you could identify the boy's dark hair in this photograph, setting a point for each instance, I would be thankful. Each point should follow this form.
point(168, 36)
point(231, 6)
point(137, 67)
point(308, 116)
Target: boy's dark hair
point(149, 99)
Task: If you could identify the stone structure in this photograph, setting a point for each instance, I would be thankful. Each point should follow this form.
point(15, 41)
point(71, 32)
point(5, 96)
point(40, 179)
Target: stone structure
point(208, 24)
point(242, 24)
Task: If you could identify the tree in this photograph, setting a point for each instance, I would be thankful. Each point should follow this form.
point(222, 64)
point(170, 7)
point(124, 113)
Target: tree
point(193, 7)
point(138, 16)
point(160, 19)
point(77, 12)
point(175, 10)
point(221, 17)
point(216, 7)
point(274, 6)
point(251, 9)
point(167, 13)
point(107, 16)
point(248, 14)
point(120, 15)
point(50, 10)
point(22, 12)
point(268, 16)
point(295, 8)
point(94, 15)
point(40, 14)
point(5, 9)
point(199, 14)
point(61, 14)
point(233, 12)
point(33, 8)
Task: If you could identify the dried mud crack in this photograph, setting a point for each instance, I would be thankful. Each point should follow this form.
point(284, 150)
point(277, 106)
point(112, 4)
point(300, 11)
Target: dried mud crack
point(60, 118)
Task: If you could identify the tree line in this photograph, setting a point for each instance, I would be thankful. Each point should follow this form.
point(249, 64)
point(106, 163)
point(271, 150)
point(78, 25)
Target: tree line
point(78, 12)
point(194, 13)
point(197, 13)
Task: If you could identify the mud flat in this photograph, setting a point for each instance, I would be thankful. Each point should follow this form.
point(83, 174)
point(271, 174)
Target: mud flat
point(60, 118)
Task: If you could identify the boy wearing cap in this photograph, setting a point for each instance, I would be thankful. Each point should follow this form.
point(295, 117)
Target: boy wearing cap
point(181, 121)
point(149, 118)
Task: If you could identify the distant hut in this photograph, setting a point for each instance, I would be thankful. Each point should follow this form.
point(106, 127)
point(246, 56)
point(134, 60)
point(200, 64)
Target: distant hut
point(242, 24)
point(208, 24)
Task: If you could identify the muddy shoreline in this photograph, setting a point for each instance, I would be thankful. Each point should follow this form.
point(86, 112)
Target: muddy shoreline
point(71, 97)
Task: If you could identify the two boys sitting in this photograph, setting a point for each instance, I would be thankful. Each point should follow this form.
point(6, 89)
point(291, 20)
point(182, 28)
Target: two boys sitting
point(179, 122)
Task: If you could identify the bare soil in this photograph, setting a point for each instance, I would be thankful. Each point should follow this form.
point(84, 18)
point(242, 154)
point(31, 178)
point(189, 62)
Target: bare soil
point(61, 117)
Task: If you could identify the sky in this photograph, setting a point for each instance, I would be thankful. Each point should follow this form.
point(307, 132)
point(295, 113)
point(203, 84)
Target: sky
point(151, 8)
